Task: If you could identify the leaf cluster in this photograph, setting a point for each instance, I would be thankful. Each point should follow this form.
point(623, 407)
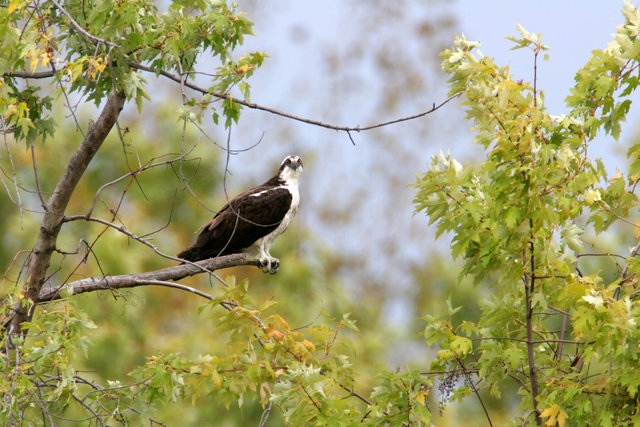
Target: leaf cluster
point(519, 222)
point(93, 47)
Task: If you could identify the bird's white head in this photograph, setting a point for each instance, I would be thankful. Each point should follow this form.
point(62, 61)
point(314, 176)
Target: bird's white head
point(290, 169)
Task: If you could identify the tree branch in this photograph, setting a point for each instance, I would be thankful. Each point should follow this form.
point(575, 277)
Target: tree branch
point(28, 75)
point(79, 27)
point(253, 106)
point(529, 285)
point(156, 277)
point(472, 386)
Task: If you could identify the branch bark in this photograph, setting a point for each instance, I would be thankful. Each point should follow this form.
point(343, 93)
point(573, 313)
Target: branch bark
point(529, 284)
point(156, 277)
point(55, 208)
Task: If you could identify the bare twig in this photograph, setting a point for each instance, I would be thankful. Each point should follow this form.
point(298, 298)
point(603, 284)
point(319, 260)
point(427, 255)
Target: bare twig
point(97, 417)
point(563, 329)
point(310, 398)
point(265, 415)
point(141, 169)
point(473, 388)
point(145, 242)
point(14, 175)
point(179, 79)
point(543, 341)
point(80, 29)
point(35, 174)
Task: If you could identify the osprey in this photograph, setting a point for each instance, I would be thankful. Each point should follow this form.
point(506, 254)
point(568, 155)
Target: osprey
point(252, 220)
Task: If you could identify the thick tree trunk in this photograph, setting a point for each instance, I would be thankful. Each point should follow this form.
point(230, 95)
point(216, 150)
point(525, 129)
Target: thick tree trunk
point(55, 209)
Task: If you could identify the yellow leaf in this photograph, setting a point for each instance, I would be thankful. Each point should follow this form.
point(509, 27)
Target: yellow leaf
point(556, 416)
point(636, 230)
point(34, 63)
point(45, 58)
point(216, 379)
point(421, 396)
point(562, 416)
point(279, 336)
point(279, 319)
point(618, 173)
point(13, 5)
point(309, 345)
point(265, 390)
point(11, 110)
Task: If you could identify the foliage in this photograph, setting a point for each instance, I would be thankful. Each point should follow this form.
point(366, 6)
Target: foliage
point(131, 33)
point(149, 355)
point(531, 223)
point(558, 325)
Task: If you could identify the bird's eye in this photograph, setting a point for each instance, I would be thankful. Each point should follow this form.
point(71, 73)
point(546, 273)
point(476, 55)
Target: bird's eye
point(288, 161)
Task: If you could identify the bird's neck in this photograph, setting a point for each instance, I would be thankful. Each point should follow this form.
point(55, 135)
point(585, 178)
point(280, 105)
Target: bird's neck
point(289, 177)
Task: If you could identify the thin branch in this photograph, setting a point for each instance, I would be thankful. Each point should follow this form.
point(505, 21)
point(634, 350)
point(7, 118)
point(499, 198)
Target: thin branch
point(80, 29)
point(253, 106)
point(607, 255)
point(544, 341)
point(529, 284)
point(141, 169)
point(58, 79)
point(35, 174)
point(97, 417)
point(310, 398)
point(563, 329)
point(100, 388)
point(475, 390)
point(28, 75)
point(265, 415)
point(14, 176)
point(137, 238)
point(559, 310)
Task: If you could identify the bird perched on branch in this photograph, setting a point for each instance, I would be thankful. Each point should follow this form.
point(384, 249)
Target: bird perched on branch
point(252, 220)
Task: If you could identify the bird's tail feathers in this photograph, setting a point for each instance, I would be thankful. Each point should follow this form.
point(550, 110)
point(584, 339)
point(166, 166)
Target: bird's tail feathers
point(192, 253)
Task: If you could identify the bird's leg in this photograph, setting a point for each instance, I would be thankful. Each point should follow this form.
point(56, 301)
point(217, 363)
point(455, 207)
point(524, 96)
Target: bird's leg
point(274, 263)
point(268, 263)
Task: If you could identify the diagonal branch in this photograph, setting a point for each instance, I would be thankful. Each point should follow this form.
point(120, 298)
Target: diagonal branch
point(79, 27)
point(56, 206)
point(473, 388)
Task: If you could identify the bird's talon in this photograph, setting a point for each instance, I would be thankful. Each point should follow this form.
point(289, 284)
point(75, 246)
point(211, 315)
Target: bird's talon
point(270, 266)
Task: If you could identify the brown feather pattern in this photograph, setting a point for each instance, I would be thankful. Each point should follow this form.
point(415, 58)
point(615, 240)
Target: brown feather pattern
point(248, 217)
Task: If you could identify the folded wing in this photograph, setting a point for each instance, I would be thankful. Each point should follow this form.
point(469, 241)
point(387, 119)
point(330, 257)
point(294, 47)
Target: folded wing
point(247, 218)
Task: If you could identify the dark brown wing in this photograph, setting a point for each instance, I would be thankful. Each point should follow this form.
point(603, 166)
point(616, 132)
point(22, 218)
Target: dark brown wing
point(248, 217)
